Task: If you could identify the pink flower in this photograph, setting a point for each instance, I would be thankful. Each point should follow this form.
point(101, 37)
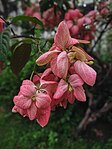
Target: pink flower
point(62, 38)
point(70, 90)
point(104, 11)
point(57, 55)
point(78, 23)
point(47, 81)
point(33, 102)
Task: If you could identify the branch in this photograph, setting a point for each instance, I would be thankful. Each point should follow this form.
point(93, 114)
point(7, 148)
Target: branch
point(6, 22)
point(92, 117)
point(24, 36)
point(101, 34)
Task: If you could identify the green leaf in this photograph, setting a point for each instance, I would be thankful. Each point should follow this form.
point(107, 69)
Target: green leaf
point(26, 18)
point(2, 56)
point(37, 33)
point(23, 41)
point(20, 57)
point(4, 41)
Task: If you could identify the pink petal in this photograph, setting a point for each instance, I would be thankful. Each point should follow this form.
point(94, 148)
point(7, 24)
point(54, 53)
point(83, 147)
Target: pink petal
point(67, 16)
point(83, 41)
point(87, 73)
point(87, 20)
point(27, 90)
point(54, 47)
point(22, 102)
point(53, 65)
point(63, 103)
point(69, 23)
point(27, 82)
point(81, 54)
point(72, 41)
point(46, 73)
point(74, 30)
point(46, 83)
point(70, 97)
point(86, 54)
point(72, 69)
point(79, 93)
point(19, 110)
point(75, 81)
point(36, 79)
point(43, 100)
point(46, 57)
point(61, 89)
point(43, 116)
point(75, 14)
point(62, 36)
point(62, 64)
point(32, 111)
point(92, 13)
point(51, 88)
point(80, 22)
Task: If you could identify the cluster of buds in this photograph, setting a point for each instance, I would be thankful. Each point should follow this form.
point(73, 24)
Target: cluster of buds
point(62, 81)
point(81, 26)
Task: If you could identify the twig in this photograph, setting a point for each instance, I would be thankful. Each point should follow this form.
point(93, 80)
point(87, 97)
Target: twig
point(94, 116)
point(101, 34)
point(8, 23)
point(24, 36)
point(91, 117)
point(5, 21)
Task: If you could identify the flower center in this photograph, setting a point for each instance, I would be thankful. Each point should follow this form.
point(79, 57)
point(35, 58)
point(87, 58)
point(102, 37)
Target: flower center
point(33, 98)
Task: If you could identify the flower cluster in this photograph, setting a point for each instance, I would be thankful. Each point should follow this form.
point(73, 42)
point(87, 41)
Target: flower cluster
point(33, 11)
point(103, 8)
point(49, 18)
point(34, 98)
point(81, 26)
point(61, 83)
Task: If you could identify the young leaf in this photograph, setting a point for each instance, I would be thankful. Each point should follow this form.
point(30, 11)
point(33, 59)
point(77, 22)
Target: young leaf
point(20, 57)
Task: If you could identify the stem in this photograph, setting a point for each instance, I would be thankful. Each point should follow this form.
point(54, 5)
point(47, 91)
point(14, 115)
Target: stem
point(32, 72)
